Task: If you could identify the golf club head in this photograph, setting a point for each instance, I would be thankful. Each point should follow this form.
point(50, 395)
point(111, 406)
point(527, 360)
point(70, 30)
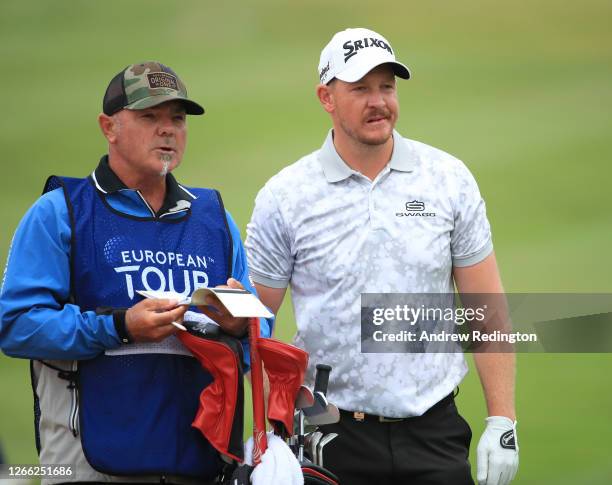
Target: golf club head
point(201, 328)
point(305, 398)
point(319, 406)
point(293, 444)
point(330, 415)
point(322, 442)
point(308, 428)
point(312, 448)
point(309, 439)
point(300, 416)
point(318, 455)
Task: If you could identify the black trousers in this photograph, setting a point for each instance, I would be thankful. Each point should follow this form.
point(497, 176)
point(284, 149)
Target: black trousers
point(424, 450)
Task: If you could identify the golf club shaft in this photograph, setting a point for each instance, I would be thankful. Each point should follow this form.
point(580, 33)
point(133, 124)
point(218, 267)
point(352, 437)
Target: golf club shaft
point(301, 437)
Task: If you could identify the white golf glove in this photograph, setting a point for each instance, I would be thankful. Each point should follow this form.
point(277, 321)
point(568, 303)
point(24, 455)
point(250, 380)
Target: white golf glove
point(497, 452)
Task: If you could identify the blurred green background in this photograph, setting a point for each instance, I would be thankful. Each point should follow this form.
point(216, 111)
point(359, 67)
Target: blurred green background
point(521, 91)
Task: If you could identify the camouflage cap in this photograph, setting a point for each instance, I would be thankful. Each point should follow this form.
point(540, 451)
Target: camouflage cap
point(145, 85)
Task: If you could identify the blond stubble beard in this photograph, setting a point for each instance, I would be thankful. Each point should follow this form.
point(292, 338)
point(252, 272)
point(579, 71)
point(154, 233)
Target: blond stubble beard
point(363, 140)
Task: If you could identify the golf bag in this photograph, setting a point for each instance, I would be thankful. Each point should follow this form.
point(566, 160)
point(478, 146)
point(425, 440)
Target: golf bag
point(220, 416)
point(313, 475)
point(316, 475)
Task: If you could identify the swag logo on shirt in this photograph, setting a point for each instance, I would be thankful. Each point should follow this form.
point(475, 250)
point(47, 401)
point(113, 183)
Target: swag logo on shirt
point(415, 208)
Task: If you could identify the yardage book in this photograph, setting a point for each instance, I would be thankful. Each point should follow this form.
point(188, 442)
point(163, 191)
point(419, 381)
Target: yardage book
point(240, 303)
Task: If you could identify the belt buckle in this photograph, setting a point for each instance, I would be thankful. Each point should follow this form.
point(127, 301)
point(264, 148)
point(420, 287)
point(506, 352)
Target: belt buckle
point(384, 419)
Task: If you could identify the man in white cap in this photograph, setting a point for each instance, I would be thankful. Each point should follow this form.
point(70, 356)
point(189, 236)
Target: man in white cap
point(373, 212)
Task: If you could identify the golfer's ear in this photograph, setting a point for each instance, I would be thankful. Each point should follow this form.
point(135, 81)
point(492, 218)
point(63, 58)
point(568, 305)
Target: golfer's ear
point(326, 98)
point(109, 127)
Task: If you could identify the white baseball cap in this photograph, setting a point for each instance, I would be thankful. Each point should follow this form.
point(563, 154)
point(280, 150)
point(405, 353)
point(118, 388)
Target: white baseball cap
point(352, 53)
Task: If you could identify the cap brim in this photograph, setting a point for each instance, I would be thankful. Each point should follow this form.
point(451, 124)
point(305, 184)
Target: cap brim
point(191, 107)
point(356, 72)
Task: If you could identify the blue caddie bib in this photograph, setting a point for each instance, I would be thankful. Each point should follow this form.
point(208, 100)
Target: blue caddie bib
point(137, 402)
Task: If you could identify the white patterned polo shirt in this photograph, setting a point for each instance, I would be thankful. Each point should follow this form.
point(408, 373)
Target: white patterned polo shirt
point(330, 233)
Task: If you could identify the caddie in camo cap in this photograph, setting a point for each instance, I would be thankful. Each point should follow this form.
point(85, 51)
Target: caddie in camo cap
point(146, 85)
point(70, 298)
point(374, 212)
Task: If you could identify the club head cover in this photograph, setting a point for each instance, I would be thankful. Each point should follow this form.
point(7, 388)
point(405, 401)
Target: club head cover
point(285, 366)
point(316, 475)
point(220, 417)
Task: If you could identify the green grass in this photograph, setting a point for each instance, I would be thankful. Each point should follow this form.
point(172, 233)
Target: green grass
point(519, 91)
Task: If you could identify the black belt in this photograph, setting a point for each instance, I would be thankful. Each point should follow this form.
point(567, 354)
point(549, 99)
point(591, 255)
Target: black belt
point(359, 416)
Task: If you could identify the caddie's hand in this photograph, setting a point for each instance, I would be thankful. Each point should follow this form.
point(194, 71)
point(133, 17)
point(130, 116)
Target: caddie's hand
point(151, 320)
point(215, 310)
point(497, 452)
